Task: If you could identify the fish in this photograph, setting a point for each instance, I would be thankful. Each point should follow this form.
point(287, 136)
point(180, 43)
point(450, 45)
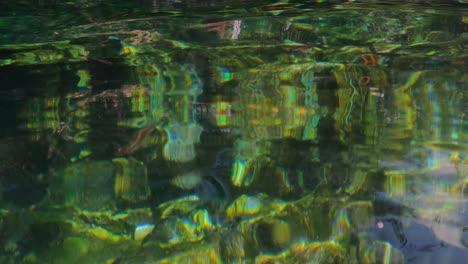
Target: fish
point(136, 143)
point(139, 138)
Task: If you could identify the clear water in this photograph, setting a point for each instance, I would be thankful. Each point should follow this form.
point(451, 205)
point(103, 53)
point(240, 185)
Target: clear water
point(233, 132)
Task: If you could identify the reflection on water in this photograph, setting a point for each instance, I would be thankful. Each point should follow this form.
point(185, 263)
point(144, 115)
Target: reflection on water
point(247, 132)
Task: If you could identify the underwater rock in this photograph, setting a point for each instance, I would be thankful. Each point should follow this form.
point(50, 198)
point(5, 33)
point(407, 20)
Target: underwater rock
point(382, 252)
point(319, 252)
point(411, 239)
point(203, 255)
point(142, 231)
point(72, 248)
point(178, 231)
point(272, 235)
point(245, 207)
point(85, 184)
point(131, 182)
point(105, 235)
point(116, 222)
point(232, 246)
point(267, 259)
point(464, 237)
point(180, 206)
point(352, 216)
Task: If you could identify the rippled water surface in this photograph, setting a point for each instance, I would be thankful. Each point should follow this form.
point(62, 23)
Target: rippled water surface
point(183, 131)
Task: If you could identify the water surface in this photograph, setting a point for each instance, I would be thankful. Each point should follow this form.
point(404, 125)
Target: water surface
point(233, 132)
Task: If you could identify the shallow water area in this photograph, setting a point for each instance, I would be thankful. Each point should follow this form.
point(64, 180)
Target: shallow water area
point(183, 131)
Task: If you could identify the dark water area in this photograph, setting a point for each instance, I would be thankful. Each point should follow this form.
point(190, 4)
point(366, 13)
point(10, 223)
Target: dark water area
point(183, 131)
